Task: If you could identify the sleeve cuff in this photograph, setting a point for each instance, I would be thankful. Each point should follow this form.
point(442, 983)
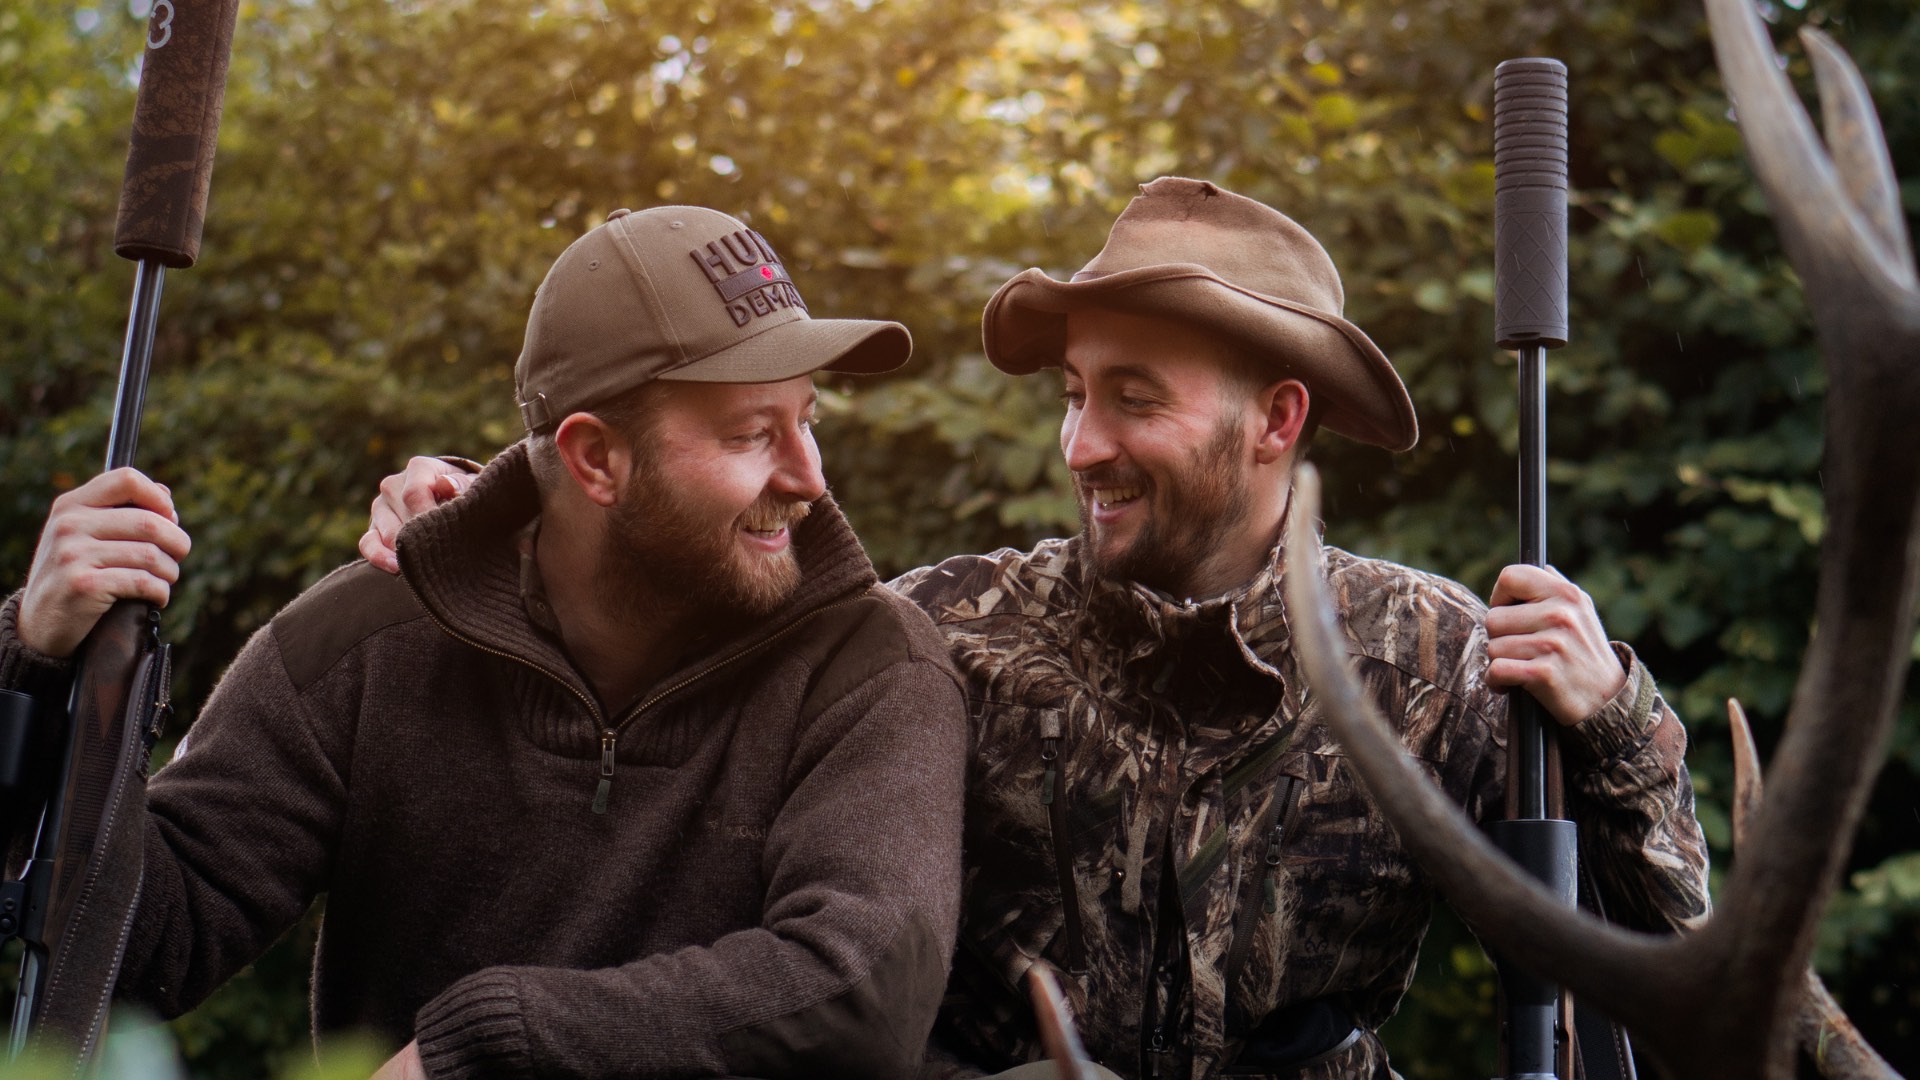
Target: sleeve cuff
point(1619, 728)
point(474, 1028)
point(21, 668)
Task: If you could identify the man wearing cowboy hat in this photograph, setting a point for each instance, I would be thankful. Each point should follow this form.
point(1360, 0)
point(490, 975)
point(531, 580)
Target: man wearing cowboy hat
point(1153, 806)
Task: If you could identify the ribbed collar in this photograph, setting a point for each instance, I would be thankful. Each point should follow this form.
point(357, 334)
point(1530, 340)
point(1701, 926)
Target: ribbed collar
point(463, 560)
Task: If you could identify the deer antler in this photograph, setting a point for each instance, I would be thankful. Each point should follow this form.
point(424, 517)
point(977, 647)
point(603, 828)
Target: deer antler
point(1509, 910)
point(1718, 1002)
point(1821, 1027)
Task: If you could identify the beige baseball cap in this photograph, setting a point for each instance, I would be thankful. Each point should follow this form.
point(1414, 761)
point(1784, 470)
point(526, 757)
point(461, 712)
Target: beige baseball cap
point(685, 293)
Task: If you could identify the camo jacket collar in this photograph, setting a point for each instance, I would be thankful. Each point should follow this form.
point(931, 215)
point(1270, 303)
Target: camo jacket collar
point(1252, 615)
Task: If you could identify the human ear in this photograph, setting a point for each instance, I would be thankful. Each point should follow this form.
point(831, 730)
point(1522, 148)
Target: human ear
point(598, 458)
point(1284, 408)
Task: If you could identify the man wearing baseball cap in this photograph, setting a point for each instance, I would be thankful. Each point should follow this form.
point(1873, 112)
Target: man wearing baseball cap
point(1154, 804)
point(634, 769)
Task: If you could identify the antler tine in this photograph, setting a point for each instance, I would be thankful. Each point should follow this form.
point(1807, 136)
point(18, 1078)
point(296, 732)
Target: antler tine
point(1859, 149)
point(1512, 913)
point(1746, 774)
point(1817, 216)
point(1830, 1039)
point(1821, 1026)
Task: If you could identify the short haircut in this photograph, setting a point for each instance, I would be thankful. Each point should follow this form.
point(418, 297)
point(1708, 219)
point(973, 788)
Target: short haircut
point(1250, 371)
point(634, 413)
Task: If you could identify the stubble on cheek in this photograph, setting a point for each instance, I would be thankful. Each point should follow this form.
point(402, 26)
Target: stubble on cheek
point(1185, 518)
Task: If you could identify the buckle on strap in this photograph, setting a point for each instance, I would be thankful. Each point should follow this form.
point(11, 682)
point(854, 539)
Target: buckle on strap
point(536, 414)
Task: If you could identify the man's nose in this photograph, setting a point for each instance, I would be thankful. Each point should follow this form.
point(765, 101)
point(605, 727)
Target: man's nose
point(1086, 439)
point(798, 474)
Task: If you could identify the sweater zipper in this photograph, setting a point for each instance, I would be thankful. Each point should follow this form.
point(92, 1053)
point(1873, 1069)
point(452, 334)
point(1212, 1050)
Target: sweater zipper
point(610, 733)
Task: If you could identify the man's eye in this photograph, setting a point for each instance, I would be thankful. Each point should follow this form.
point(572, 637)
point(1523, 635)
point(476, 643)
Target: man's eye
point(1073, 399)
point(1134, 403)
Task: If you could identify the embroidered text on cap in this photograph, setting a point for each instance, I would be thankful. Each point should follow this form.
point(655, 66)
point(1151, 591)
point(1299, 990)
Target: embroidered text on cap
point(748, 276)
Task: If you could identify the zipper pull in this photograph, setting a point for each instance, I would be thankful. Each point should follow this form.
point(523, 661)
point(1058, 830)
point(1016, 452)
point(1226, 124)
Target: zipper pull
point(600, 794)
point(1271, 901)
point(1048, 754)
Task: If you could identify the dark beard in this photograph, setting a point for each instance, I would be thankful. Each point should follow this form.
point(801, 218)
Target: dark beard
point(1205, 501)
point(659, 561)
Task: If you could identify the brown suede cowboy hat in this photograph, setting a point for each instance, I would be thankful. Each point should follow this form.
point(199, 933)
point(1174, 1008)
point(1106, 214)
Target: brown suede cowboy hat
point(1192, 251)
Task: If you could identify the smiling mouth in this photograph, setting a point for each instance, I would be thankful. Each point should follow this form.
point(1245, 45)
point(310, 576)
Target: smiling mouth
point(770, 523)
point(766, 528)
point(1115, 496)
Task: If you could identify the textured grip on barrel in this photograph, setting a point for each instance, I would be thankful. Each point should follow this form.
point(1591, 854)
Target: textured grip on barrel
point(183, 82)
point(1530, 203)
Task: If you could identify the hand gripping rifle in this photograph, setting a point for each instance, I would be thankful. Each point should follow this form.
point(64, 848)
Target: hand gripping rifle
point(1530, 315)
point(72, 901)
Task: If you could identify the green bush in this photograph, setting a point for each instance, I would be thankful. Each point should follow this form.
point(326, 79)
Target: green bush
point(394, 177)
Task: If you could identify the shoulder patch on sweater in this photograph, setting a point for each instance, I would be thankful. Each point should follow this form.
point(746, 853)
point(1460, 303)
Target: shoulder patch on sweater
point(875, 632)
point(345, 608)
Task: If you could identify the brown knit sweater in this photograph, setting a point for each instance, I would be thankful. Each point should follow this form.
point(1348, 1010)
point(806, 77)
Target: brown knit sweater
point(771, 890)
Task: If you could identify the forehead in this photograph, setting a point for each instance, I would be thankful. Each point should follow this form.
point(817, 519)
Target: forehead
point(1114, 344)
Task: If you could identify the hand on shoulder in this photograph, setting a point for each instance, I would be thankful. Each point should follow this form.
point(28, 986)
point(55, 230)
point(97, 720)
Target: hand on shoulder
point(424, 484)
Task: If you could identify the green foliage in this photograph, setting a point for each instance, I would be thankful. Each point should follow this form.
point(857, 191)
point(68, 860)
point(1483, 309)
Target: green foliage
point(138, 1048)
point(394, 177)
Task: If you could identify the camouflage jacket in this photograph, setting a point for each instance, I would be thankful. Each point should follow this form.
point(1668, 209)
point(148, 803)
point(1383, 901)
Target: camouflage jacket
point(1229, 875)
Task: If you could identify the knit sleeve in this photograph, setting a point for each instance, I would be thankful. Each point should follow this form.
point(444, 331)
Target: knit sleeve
point(23, 668)
point(239, 830)
point(845, 970)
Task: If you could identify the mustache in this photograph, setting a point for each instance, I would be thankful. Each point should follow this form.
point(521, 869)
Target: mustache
point(1109, 476)
point(770, 514)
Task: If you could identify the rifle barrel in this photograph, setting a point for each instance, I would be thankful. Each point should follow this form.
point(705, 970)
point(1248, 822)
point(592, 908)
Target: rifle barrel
point(136, 361)
point(1528, 729)
point(1530, 316)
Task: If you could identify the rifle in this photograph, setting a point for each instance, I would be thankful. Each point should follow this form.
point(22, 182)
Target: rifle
point(72, 901)
point(1530, 315)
